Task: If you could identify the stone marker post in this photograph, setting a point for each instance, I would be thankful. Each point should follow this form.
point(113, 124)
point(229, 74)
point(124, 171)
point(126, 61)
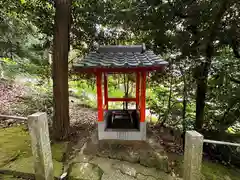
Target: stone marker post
point(41, 149)
point(193, 155)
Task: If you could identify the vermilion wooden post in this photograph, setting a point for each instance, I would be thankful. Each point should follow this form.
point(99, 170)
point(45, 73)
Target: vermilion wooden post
point(99, 97)
point(105, 92)
point(143, 97)
point(137, 89)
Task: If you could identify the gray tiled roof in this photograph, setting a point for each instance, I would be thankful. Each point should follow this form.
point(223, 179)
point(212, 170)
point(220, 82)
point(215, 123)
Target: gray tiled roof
point(119, 57)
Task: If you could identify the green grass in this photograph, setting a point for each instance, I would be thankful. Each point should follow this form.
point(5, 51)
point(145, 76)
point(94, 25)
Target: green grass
point(116, 93)
point(82, 86)
point(82, 89)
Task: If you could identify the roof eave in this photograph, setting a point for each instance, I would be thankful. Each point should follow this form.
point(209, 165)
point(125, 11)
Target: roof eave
point(80, 69)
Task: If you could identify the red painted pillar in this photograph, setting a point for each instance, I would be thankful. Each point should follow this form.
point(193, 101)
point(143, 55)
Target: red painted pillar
point(99, 96)
point(137, 89)
point(143, 97)
point(105, 92)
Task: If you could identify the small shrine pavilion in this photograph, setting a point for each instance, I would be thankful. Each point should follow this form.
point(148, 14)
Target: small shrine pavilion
point(121, 124)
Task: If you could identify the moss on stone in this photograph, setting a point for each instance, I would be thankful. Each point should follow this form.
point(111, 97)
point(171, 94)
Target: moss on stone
point(14, 143)
point(25, 165)
point(16, 152)
point(85, 171)
point(57, 168)
point(58, 150)
point(9, 177)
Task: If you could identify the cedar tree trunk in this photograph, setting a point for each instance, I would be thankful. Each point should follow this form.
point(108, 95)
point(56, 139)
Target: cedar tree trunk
point(60, 69)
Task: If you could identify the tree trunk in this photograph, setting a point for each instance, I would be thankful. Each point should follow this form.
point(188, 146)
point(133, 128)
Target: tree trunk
point(205, 66)
point(184, 124)
point(184, 103)
point(200, 101)
point(60, 69)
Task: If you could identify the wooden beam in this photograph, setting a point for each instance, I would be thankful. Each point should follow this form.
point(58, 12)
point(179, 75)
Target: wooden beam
point(105, 91)
point(122, 99)
point(99, 97)
point(143, 97)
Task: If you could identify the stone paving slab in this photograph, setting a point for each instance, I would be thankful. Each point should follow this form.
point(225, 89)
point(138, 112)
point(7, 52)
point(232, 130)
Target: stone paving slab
point(25, 165)
point(85, 171)
point(114, 168)
point(116, 175)
point(116, 160)
point(131, 151)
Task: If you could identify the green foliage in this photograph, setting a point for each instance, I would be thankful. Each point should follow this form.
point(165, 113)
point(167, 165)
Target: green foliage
point(180, 31)
point(21, 42)
point(199, 39)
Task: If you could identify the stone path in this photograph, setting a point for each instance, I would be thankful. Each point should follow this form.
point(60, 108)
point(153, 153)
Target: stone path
point(96, 168)
point(111, 160)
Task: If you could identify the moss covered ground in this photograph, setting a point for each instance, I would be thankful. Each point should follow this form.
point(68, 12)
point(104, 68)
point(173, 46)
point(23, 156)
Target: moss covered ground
point(210, 170)
point(16, 156)
point(216, 171)
point(16, 153)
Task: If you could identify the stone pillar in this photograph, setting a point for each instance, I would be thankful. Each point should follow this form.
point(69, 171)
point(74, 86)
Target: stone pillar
point(38, 128)
point(193, 156)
